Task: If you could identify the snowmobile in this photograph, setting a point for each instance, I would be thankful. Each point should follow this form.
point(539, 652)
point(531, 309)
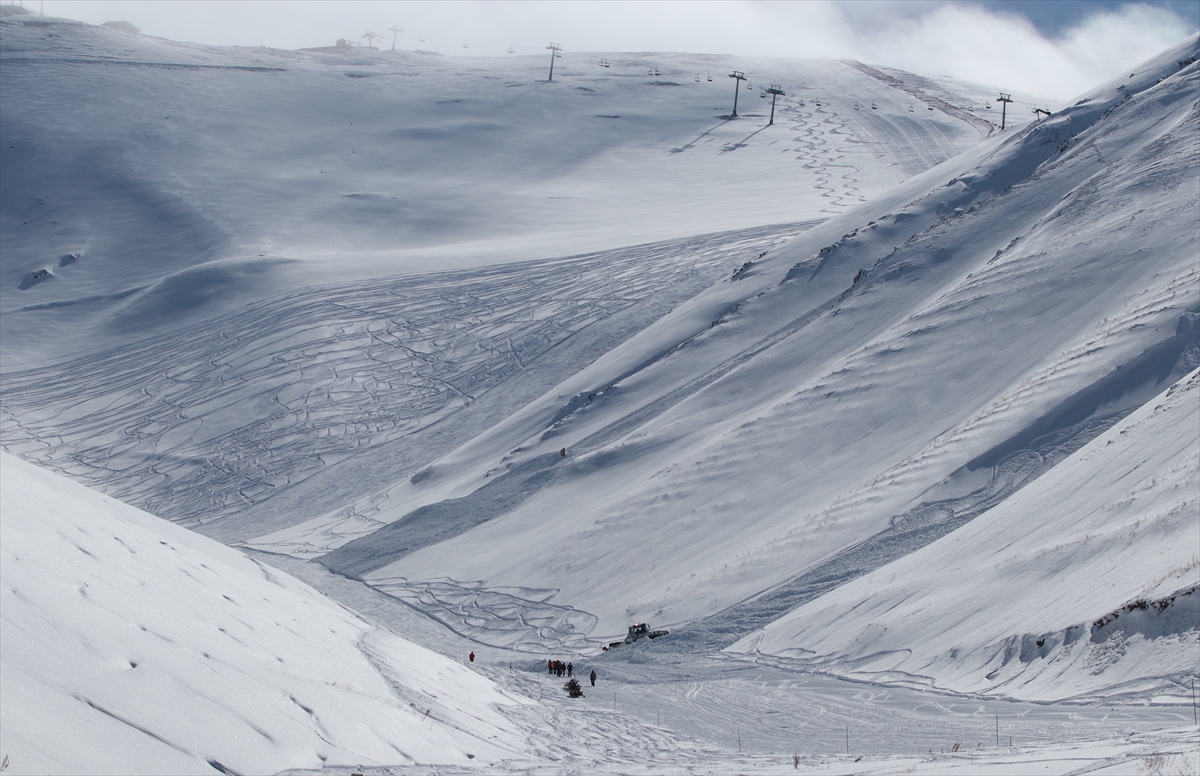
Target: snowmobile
point(639, 630)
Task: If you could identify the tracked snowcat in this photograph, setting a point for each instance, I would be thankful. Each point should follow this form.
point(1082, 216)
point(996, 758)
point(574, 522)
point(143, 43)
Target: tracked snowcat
point(639, 630)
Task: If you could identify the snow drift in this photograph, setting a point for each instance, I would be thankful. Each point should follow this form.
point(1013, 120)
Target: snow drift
point(285, 289)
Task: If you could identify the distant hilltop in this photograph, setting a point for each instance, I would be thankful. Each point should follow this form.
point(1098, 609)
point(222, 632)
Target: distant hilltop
point(342, 45)
point(123, 26)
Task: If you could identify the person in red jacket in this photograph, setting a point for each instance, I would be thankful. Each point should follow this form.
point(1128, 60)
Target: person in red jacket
point(471, 657)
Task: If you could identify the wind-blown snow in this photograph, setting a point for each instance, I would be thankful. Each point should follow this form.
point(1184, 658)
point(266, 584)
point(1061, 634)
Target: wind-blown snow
point(131, 645)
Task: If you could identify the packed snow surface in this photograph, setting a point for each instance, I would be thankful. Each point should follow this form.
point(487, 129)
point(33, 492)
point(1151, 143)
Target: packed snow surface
point(130, 645)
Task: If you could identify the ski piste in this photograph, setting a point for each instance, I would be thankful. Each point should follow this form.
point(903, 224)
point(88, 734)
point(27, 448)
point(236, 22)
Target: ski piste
point(894, 429)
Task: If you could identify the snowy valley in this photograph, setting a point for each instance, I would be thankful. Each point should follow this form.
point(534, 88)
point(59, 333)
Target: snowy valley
point(321, 371)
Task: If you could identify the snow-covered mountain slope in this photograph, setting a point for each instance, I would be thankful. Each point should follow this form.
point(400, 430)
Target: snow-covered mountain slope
point(131, 645)
point(119, 222)
point(833, 405)
point(156, 182)
point(242, 669)
point(1095, 565)
point(705, 432)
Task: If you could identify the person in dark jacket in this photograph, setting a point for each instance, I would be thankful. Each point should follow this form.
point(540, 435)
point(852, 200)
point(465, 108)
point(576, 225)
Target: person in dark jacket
point(593, 677)
point(570, 669)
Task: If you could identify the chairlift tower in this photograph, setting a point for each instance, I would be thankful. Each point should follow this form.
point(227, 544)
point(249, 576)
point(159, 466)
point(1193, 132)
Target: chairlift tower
point(1039, 111)
point(740, 76)
point(775, 90)
point(1004, 100)
point(554, 50)
point(395, 30)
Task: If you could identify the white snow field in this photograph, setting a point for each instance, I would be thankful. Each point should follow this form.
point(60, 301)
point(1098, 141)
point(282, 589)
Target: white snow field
point(273, 341)
point(1044, 594)
point(890, 417)
point(131, 645)
point(158, 182)
point(833, 405)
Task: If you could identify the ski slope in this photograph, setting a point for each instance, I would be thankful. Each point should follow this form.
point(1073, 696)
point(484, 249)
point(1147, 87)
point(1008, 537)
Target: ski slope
point(216, 177)
point(507, 364)
point(302, 379)
point(131, 645)
point(1094, 566)
point(792, 424)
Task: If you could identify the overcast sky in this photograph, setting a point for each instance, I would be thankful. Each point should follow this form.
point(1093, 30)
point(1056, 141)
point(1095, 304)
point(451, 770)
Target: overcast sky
point(1057, 48)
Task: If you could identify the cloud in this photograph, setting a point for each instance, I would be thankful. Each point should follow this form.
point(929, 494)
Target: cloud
point(968, 40)
point(1109, 43)
point(974, 43)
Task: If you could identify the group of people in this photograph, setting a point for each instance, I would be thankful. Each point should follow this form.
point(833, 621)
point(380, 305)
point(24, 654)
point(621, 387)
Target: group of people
point(557, 668)
point(560, 669)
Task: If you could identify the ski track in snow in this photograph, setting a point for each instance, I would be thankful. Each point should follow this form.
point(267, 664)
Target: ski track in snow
point(656, 709)
point(272, 413)
point(201, 424)
point(516, 618)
